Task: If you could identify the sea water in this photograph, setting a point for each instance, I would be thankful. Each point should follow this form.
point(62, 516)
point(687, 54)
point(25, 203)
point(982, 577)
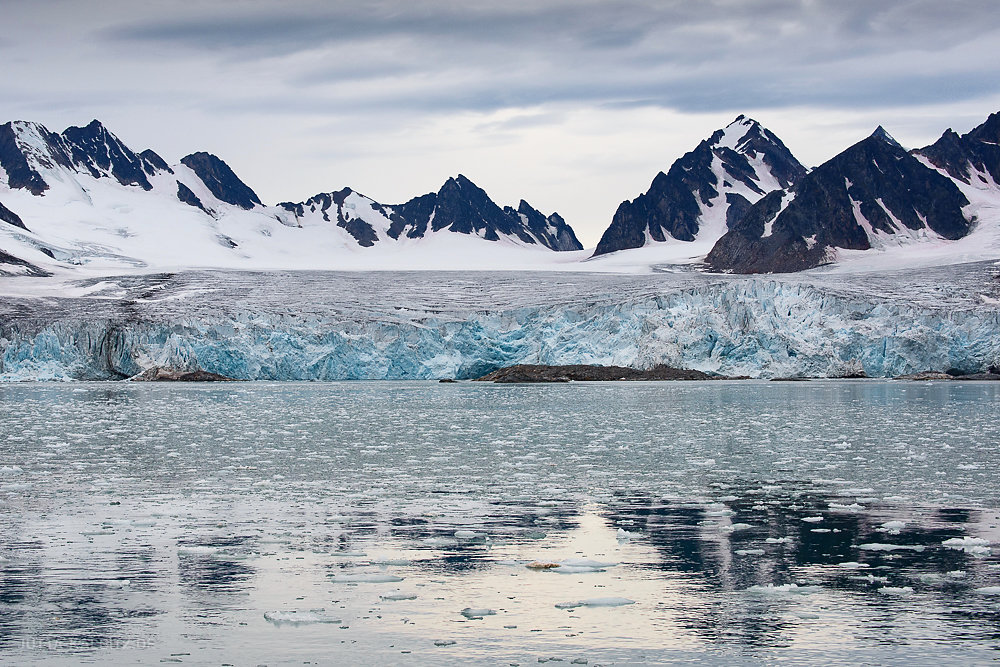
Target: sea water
point(425, 523)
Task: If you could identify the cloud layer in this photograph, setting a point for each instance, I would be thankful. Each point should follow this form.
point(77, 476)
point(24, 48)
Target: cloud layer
point(352, 80)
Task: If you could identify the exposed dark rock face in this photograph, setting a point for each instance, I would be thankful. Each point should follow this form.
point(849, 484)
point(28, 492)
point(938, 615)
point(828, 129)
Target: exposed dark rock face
point(27, 268)
point(97, 151)
point(459, 206)
point(24, 147)
point(185, 194)
point(969, 156)
point(871, 191)
point(551, 231)
point(411, 219)
point(153, 163)
point(673, 207)
point(349, 219)
point(10, 217)
point(158, 374)
point(21, 173)
point(220, 180)
point(581, 372)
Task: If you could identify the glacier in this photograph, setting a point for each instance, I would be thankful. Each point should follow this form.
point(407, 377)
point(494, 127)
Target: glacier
point(407, 325)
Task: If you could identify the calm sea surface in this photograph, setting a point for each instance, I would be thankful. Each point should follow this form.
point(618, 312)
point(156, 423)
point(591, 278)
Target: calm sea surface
point(421, 523)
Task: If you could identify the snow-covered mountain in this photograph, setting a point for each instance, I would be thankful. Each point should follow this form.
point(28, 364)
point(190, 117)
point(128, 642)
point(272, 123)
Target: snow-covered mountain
point(874, 196)
point(705, 190)
point(459, 206)
point(83, 197)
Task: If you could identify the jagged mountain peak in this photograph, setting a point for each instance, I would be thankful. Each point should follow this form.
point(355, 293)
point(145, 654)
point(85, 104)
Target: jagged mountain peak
point(220, 179)
point(705, 189)
point(881, 134)
point(871, 195)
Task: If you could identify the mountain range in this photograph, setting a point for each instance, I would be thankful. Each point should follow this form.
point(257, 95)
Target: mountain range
point(740, 202)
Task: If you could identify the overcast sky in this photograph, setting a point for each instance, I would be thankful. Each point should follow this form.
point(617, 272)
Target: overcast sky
point(573, 105)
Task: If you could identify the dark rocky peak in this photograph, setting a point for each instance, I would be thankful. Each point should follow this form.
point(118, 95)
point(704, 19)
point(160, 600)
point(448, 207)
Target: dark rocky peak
point(345, 211)
point(753, 162)
point(186, 195)
point(411, 219)
point(10, 217)
point(551, 231)
point(880, 134)
point(464, 207)
point(99, 152)
point(25, 149)
point(874, 189)
point(153, 164)
point(970, 156)
point(220, 180)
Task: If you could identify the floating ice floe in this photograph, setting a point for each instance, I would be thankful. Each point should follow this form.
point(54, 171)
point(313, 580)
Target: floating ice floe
point(596, 602)
point(812, 519)
point(295, 617)
point(395, 597)
point(473, 613)
point(749, 552)
point(372, 578)
point(852, 565)
point(624, 536)
point(892, 527)
point(782, 589)
point(878, 546)
point(989, 590)
point(896, 590)
point(779, 540)
point(732, 528)
point(444, 642)
point(975, 546)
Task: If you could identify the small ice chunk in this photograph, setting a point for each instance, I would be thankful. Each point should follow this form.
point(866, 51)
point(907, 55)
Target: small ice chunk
point(468, 535)
point(394, 597)
point(892, 527)
point(877, 546)
point(782, 589)
point(896, 590)
point(779, 540)
point(624, 536)
point(975, 546)
point(596, 602)
point(735, 527)
point(473, 613)
point(295, 617)
point(444, 642)
point(749, 552)
point(852, 565)
point(365, 578)
point(812, 519)
point(989, 590)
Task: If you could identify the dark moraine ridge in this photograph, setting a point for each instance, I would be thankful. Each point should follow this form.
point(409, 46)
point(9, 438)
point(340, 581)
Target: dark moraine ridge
point(583, 372)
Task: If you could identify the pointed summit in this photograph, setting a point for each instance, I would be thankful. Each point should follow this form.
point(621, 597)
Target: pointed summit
point(706, 189)
point(221, 181)
point(881, 134)
point(870, 195)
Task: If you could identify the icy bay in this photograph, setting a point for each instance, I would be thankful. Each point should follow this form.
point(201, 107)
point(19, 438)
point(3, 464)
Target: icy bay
point(426, 523)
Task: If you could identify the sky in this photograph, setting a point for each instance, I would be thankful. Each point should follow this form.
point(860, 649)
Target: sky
point(572, 105)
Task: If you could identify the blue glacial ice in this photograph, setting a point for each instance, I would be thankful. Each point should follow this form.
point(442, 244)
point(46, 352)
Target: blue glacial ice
point(321, 326)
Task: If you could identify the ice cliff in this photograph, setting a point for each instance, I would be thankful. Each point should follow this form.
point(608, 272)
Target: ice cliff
point(393, 327)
